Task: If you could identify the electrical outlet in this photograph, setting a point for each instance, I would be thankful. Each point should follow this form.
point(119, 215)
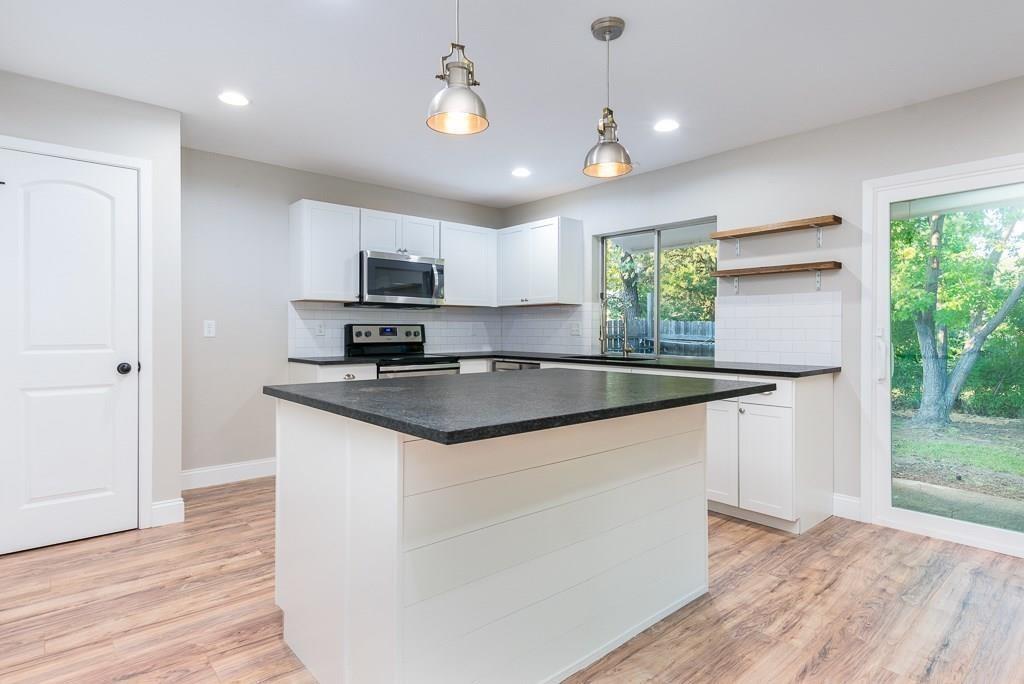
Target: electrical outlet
point(574, 329)
point(320, 329)
point(209, 328)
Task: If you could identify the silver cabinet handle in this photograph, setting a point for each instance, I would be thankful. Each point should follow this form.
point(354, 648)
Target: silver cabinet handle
point(349, 376)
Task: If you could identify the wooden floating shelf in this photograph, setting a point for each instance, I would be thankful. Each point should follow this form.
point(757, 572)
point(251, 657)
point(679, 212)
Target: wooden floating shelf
point(815, 266)
point(783, 227)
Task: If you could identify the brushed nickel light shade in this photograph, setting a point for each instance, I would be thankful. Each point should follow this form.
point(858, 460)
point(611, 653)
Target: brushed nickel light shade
point(457, 109)
point(608, 158)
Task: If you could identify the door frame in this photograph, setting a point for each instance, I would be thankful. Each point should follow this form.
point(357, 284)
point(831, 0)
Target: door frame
point(144, 169)
point(876, 348)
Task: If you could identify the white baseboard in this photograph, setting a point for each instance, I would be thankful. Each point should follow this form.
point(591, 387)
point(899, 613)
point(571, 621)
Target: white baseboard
point(845, 506)
point(167, 512)
point(229, 472)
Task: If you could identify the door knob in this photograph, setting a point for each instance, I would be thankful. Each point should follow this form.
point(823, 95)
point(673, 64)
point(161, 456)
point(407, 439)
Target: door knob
point(124, 368)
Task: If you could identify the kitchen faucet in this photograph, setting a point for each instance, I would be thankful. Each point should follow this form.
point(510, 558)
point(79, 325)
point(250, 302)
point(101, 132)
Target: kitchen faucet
point(605, 298)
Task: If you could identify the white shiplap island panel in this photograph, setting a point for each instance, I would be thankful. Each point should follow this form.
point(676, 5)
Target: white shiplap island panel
point(515, 559)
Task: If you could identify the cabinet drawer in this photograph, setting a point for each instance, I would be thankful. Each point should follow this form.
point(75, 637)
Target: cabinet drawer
point(782, 396)
point(341, 373)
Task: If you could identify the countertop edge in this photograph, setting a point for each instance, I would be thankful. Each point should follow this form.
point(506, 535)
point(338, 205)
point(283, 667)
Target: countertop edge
point(477, 434)
point(568, 358)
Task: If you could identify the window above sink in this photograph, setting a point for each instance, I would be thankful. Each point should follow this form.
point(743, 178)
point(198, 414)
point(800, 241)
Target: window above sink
point(658, 291)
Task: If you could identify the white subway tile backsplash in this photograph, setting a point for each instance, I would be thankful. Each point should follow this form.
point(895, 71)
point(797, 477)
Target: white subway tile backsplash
point(541, 328)
point(804, 328)
point(801, 328)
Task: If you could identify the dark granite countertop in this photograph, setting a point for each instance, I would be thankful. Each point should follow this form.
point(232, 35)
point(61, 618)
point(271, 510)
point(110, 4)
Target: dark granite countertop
point(671, 363)
point(452, 409)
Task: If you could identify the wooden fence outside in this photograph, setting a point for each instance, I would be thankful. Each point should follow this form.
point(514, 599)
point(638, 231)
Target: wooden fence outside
point(682, 338)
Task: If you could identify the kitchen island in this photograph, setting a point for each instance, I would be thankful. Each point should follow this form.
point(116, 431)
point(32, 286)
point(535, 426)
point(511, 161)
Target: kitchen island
point(489, 527)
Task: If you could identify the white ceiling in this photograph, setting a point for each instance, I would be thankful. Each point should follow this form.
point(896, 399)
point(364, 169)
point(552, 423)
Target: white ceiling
point(341, 86)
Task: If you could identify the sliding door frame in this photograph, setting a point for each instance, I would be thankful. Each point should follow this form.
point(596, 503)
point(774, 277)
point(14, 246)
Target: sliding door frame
point(656, 231)
point(876, 349)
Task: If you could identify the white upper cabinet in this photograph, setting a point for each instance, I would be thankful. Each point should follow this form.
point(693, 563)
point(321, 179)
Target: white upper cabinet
point(470, 256)
point(513, 269)
point(382, 231)
point(541, 263)
point(421, 237)
point(324, 252)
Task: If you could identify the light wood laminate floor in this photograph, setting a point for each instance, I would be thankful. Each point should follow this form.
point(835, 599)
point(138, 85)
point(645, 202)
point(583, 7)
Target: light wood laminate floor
point(847, 602)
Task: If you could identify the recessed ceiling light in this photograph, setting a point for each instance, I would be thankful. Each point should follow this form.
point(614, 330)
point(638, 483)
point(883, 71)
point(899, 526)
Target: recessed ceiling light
point(666, 125)
point(233, 97)
point(521, 172)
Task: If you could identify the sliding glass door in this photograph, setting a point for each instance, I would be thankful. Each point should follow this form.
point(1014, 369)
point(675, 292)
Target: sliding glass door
point(957, 339)
point(945, 421)
point(658, 290)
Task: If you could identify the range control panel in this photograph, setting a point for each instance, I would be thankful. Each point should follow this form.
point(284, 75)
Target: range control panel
point(386, 334)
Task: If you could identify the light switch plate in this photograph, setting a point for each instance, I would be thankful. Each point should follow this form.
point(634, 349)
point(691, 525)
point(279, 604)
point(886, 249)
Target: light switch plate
point(574, 329)
point(320, 329)
point(209, 328)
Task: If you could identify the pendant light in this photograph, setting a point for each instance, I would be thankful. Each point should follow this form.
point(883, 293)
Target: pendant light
point(456, 109)
point(608, 158)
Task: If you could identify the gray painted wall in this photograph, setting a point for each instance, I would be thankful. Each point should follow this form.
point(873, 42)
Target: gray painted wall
point(55, 113)
point(235, 255)
point(819, 172)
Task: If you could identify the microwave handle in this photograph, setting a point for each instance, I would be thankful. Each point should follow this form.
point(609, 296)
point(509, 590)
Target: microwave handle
point(438, 285)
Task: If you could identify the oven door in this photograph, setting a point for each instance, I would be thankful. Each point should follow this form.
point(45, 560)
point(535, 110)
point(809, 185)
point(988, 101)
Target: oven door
point(389, 278)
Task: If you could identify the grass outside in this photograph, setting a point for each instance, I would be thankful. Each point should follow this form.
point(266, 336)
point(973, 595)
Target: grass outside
point(994, 443)
point(975, 463)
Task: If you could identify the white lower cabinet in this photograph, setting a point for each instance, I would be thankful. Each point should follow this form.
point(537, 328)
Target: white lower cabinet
point(723, 452)
point(769, 455)
point(310, 372)
point(474, 366)
point(766, 460)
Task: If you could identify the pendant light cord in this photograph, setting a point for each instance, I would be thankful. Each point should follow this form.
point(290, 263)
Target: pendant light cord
point(607, 71)
point(457, 39)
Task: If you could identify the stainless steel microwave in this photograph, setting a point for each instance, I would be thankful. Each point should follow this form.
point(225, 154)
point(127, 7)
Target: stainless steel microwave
point(401, 279)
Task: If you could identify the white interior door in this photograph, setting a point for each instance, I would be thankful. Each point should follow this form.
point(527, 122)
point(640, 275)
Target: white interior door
point(69, 316)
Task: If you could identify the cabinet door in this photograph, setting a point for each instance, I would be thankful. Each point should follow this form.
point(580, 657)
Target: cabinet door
point(380, 231)
point(513, 266)
point(543, 263)
point(325, 246)
point(421, 237)
point(470, 258)
point(723, 452)
point(766, 460)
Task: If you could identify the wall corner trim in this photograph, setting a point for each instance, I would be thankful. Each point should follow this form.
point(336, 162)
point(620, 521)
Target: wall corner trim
point(210, 476)
point(845, 506)
point(167, 512)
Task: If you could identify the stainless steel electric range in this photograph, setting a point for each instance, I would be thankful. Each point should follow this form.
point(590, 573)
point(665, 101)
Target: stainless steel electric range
point(397, 350)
